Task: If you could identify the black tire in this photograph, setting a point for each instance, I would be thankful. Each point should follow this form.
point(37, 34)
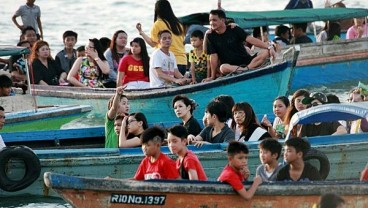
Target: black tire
point(324, 168)
point(32, 167)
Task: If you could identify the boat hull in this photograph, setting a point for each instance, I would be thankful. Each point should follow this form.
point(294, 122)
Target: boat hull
point(258, 87)
point(344, 155)
point(331, 62)
point(94, 192)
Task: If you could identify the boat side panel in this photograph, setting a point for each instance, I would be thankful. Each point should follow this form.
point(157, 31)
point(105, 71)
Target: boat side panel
point(259, 92)
point(99, 199)
point(330, 73)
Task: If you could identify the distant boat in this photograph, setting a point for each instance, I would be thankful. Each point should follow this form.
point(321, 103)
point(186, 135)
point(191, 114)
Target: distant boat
point(259, 87)
point(98, 192)
point(23, 113)
point(324, 63)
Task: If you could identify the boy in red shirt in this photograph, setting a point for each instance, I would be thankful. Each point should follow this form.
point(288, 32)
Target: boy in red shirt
point(155, 165)
point(233, 172)
point(187, 164)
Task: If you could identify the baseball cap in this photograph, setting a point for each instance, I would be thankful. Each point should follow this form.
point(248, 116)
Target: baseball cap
point(315, 96)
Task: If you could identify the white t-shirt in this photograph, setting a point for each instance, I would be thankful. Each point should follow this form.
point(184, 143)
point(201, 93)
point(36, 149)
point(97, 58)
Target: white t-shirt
point(2, 144)
point(167, 63)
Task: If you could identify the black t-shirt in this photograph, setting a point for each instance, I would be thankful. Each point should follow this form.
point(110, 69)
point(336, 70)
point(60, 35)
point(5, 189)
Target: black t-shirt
point(250, 130)
point(49, 75)
point(303, 39)
point(310, 173)
point(325, 128)
point(229, 46)
point(192, 126)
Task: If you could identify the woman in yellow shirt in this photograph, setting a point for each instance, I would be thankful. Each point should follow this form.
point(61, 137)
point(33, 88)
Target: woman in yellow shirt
point(165, 19)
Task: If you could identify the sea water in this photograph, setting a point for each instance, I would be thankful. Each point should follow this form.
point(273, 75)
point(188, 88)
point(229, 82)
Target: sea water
point(96, 19)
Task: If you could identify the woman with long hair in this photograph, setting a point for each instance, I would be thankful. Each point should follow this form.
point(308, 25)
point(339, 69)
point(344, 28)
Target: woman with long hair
point(245, 119)
point(114, 54)
point(131, 129)
point(133, 70)
point(295, 106)
point(45, 70)
point(184, 107)
point(165, 19)
point(90, 68)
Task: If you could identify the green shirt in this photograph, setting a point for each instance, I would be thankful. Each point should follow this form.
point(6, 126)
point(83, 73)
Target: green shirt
point(111, 138)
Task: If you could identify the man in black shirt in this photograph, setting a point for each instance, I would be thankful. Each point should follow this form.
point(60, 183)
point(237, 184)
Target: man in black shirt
point(299, 34)
point(226, 46)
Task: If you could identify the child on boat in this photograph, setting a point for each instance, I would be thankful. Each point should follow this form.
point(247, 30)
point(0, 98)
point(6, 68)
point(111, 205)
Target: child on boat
point(66, 57)
point(163, 68)
point(2, 122)
point(198, 59)
point(269, 153)
point(187, 164)
point(118, 105)
point(233, 172)
point(217, 130)
point(156, 165)
point(296, 169)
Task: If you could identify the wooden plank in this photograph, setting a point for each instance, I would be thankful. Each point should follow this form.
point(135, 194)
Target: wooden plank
point(17, 103)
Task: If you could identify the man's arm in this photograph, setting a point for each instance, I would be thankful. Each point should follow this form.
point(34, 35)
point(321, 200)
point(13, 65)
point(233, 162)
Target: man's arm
point(261, 44)
point(14, 18)
point(40, 26)
point(167, 78)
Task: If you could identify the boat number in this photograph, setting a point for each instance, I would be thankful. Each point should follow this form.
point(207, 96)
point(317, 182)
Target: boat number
point(138, 199)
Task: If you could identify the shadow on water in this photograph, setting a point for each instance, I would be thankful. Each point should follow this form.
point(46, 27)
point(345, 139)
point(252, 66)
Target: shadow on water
point(33, 202)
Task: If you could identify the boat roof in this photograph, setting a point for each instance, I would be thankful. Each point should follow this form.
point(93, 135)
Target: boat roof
point(7, 50)
point(263, 18)
point(331, 112)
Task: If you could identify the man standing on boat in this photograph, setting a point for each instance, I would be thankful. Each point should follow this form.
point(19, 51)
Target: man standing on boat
point(2, 122)
point(226, 46)
point(299, 4)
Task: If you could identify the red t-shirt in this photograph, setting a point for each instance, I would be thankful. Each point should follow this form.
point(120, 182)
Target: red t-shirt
point(162, 168)
point(231, 177)
point(133, 69)
point(364, 176)
point(191, 162)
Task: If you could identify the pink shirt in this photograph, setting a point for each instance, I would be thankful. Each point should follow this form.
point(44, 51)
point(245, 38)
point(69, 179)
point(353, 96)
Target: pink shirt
point(352, 32)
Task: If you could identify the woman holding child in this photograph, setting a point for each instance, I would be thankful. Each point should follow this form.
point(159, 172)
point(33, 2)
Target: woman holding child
point(133, 70)
point(45, 69)
point(184, 108)
point(131, 129)
point(91, 67)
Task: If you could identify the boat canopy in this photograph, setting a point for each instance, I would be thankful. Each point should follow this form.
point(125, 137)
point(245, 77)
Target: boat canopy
point(278, 17)
point(331, 112)
point(6, 50)
point(328, 113)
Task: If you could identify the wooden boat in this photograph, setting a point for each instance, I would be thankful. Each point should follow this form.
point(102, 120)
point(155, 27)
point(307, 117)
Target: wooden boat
point(344, 153)
point(23, 113)
point(97, 192)
point(271, 81)
point(325, 63)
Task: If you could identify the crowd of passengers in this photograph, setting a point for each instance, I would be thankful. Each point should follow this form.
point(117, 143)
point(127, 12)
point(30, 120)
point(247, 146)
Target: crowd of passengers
point(116, 62)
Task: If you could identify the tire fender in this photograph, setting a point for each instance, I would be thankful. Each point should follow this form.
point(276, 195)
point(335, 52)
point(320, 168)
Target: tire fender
point(31, 163)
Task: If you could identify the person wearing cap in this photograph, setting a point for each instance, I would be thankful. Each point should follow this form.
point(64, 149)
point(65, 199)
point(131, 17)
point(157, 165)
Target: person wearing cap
point(321, 128)
point(360, 125)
